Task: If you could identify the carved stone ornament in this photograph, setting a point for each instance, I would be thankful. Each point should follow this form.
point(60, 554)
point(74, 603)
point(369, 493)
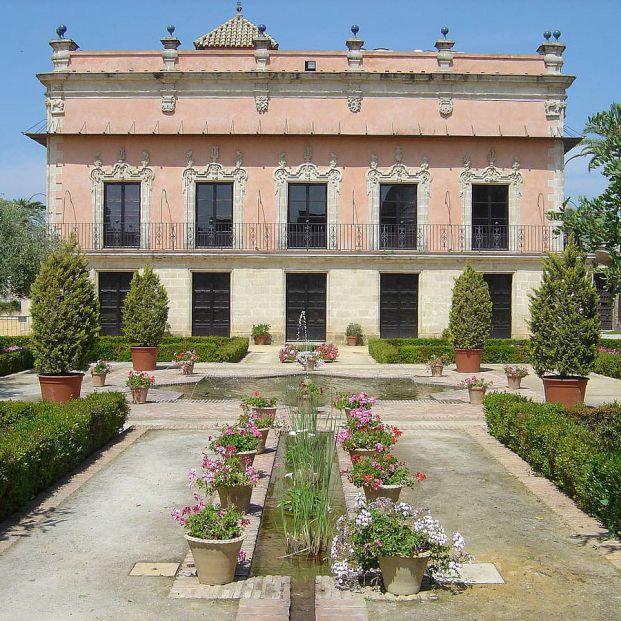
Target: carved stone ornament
point(169, 103)
point(56, 106)
point(354, 103)
point(262, 103)
point(445, 106)
point(554, 108)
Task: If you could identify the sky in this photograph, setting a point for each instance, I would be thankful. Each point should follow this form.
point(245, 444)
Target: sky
point(514, 27)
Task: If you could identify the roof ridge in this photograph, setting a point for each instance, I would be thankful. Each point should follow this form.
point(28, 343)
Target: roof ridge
point(236, 32)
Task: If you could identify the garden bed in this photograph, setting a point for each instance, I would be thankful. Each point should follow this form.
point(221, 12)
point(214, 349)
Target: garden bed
point(19, 359)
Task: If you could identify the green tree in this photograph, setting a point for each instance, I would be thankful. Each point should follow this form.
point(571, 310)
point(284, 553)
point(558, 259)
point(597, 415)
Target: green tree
point(564, 316)
point(470, 319)
point(25, 244)
point(145, 309)
point(65, 312)
point(596, 223)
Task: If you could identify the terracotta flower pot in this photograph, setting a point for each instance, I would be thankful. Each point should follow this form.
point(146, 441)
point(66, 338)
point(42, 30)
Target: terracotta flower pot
point(187, 369)
point(260, 412)
point(514, 382)
point(352, 341)
point(568, 391)
point(139, 395)
point(477, 394)
point(436, 370)
point(260, 340)
point(215, 560)
point(401, 575)
point(99, 379)
point(144, 358)
point(347, 411)
point(468, 360)
point(237, 495)
point(60, 388)
point(261, 448)
point(362, 452)
point(247, 459)
point(392, 492)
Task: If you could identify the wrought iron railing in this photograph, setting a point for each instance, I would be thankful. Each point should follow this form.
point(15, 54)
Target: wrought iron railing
point(251, 237)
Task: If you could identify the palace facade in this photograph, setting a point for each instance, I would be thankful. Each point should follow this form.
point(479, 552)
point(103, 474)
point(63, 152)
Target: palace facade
point(260, 182)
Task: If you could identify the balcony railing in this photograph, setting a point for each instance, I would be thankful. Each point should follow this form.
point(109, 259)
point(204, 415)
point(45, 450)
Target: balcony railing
point(249, 238)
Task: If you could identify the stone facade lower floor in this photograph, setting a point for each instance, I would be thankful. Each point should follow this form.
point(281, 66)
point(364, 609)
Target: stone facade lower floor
point(388, 296)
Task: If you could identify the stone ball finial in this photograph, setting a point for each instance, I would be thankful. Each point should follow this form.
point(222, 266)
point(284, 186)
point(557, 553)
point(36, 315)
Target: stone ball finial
point(546, 35)
point(262, 28)
point(557, 34)
point(239, 6)
point(355, 30)
point(171, 29)
point(61, 30)
point(444, 30)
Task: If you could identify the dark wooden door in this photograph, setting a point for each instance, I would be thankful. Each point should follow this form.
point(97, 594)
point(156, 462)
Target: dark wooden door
point(306, 292)
point(398, 306)
point(606, 303)
point(500, 292)
point(211, 304)
point(113, 287)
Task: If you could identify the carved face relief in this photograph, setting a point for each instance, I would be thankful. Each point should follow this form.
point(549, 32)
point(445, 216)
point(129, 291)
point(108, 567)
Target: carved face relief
point(57, 106)
point(445, 106)
point(169, 103)
point(354, 103)
point(554, 108)
point(262, 103)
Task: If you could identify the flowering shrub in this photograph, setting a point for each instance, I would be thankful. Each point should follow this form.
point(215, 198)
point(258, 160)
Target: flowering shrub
point(363, 420)
point(101, 366)
point(600, 350)
point(512, 370)
point(11, 348)
point(225, 471)
point(361, 401)
point(476, 382)
point(236, 440)
point(386, 469)
point(288, 353)
point(210, 521)
point(328, 351)
point(437, 360)
point(262, 421)
point(139, 379)
point(257, 401)
point(376, 439)
point(383, 528)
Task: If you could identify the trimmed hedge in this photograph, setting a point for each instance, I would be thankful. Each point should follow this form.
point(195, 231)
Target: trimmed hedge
point(569, 448)
point(16, 361)
point(41, 442)
point(608, 364)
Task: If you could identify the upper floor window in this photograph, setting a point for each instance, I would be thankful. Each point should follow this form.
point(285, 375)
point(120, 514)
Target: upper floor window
point(122, 215)
point(398, 215)
point(490, 217)
point(214, 215)
point(307, 215)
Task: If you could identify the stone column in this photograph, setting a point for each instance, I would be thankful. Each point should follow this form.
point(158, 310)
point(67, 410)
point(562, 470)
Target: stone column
point(170, 53)
point(61, 50)
point(445, 51)
point(354, 50)
point(261, 49)
point(552, 52)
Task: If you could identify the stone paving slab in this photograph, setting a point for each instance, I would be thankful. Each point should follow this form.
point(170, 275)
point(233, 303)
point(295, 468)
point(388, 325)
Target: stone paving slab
point(333, 604)
point(472, 573)
point(154, 569)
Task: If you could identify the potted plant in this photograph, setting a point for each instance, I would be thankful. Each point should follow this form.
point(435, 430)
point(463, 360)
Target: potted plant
point(565, 326)
point(215, 536)
point(402, 541)
point(383, 476)
point(145, 316)
point(139, 383)
point(514, 375)
point(470, 320)
point(310, 360)
point(99, 370)
point(359, 401)
point(261, 333)
point(260, 412)
point(229, 477)
point(185, 360)
point(436, 364)
point(240, 441)
point(65, 323)
point(288, 353)
point(353, 332)
point(477, 386)
point(328, 352)
point(368, 442)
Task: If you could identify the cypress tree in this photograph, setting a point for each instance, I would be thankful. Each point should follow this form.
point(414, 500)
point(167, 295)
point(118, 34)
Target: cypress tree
point(145, 309)
point(65, 312)
point(470, 319)
point(564, 316)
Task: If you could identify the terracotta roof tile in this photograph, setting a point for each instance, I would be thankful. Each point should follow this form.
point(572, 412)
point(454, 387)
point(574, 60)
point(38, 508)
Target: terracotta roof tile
point(237, 32)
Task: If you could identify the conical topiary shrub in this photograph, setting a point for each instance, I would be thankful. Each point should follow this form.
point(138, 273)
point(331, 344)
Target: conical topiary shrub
point(564, 325)
point(65, 322)
point(145, 317)
point(470, 319)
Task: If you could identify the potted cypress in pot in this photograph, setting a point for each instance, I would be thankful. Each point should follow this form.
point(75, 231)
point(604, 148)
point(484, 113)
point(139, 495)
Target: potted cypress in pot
point(65, 322)
point(470, 320)
point(565, 326)
point(145, 316)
